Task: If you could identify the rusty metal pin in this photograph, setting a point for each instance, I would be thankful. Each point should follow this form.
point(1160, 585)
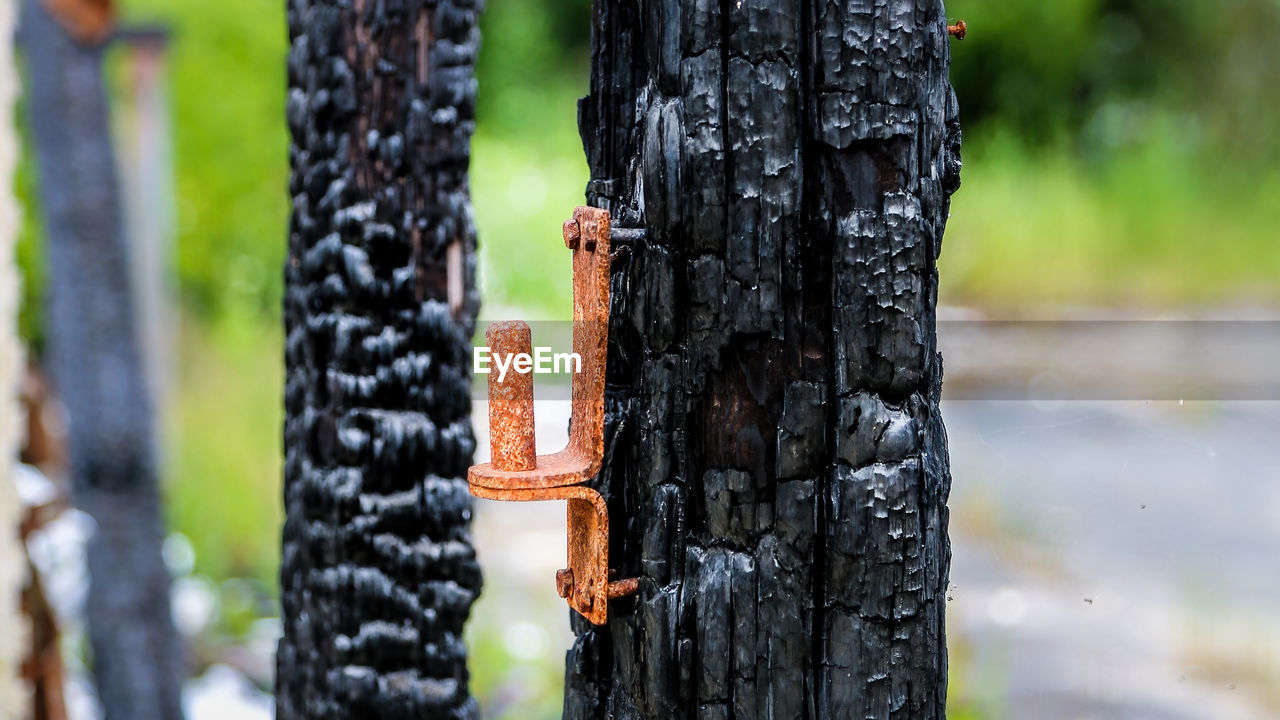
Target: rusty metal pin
point(622, 588)
point(959, 30)
point(511, 438)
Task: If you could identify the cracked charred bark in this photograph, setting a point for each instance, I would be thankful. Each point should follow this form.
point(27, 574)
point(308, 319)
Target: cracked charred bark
point(378, 573)
point(95, 361)
point(777, 467)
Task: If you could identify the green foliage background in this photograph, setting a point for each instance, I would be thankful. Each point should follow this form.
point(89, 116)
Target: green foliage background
point(1117, 152)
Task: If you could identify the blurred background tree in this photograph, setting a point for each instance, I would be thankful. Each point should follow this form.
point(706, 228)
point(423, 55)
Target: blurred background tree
point(1119, 153)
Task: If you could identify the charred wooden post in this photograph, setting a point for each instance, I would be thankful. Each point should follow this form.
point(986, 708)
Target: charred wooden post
point(776, 466)
point(95, 359)
point(378, 572)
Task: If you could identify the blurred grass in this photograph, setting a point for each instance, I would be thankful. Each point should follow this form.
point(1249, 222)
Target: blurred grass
point(224, 462)
point(1150, 226)
point(227, 80)
point(517, 667)
point(523, 187)
point(975, 691)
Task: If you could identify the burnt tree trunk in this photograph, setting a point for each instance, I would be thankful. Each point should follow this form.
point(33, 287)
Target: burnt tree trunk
point(777, 468)
point(96, 364)
point(378, 573)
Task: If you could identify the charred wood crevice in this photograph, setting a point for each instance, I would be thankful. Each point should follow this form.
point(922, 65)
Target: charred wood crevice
point(95, 361)
point(777, 468)
point(378, 572)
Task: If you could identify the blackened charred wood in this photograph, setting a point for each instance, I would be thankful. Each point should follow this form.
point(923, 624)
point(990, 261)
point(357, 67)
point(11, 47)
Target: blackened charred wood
point(94, 355)
point(378, 572)
point(777, 467)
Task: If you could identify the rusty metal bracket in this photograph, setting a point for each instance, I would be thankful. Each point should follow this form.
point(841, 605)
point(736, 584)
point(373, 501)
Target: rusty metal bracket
point(89, 22)
point(516, 471)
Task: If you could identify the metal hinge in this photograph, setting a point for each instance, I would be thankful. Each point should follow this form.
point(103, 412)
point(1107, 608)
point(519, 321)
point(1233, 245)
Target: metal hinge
point(516, 471)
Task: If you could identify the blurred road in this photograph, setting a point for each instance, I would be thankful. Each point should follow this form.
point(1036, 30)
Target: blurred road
point(1117, 559)
point(1112, 560)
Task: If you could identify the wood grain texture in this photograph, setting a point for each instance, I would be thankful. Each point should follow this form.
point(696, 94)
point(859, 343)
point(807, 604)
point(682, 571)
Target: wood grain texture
point(378, 572)
point(776, 465)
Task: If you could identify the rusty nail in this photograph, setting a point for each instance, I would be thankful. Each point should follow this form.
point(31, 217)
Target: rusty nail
point(572, 233)
point(564, 583)
point(622, 588)
point(959, 30)
point(511, 438)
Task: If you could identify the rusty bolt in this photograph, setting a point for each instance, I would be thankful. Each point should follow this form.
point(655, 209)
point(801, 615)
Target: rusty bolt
point(511, 438)
point(959, 30)
point(572, 234)
point(564, 583)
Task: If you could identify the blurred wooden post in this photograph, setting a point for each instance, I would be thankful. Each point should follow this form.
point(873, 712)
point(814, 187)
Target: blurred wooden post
point(778, 471)
point(378, 574)
point(95, 361)
point(148, 187)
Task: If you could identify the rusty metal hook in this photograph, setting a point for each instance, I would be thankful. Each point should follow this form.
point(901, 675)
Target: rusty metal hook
point(516, 471)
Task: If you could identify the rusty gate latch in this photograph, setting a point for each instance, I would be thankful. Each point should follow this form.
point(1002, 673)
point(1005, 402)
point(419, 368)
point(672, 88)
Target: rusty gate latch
point(516, 471)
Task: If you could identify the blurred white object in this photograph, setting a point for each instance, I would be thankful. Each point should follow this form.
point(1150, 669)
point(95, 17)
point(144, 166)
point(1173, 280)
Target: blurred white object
point(81, 697)
point(58, 552)
point(195, 603)
point(34, 489)
point(179, 554)
point(222, 693)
